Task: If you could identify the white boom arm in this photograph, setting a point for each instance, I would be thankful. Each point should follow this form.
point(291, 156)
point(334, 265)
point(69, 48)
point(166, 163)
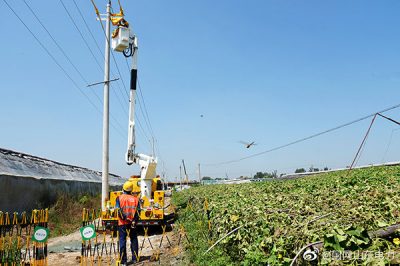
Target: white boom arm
point(147, 163)
point(131, 157)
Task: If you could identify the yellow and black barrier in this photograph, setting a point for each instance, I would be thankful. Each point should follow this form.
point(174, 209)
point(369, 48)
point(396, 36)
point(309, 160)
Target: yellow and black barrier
point(100, 243)
point(102, 248)
point(23, 238)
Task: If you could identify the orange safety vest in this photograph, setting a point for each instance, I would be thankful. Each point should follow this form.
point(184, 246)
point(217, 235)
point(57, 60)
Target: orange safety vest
point(128, 206)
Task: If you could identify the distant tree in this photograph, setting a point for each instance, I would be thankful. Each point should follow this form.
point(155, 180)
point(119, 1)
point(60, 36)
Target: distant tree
point(300, 170)
point(259, 175)
point(312, 169)
point(206, 178)
point(326, 168)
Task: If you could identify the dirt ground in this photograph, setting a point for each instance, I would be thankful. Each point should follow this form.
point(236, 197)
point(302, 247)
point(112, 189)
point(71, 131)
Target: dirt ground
point(66, 250)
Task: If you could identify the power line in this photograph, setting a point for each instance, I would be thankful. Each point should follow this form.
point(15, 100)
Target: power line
point(145, 109)
point(59, 47)
point(358, 154)
point(123, 83)
point(101, 53)
point(144, 117)
point(389, 143)
point(144, 113)
point(304, 139)
point(55, 61)
point(141, 127)
point(51, 56)
point(80, 33)
point(55, 42)
point(88, 28)
point(91, 52)
point(113, 56)
point(64, 53)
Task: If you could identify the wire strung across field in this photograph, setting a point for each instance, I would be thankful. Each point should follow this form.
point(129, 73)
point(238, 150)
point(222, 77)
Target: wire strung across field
point(306, 138)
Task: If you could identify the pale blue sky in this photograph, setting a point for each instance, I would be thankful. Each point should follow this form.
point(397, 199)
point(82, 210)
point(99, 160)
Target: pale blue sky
point(268, 71)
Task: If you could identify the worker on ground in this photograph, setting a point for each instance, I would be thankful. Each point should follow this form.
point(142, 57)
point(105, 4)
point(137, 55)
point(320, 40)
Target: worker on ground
point(128, 204)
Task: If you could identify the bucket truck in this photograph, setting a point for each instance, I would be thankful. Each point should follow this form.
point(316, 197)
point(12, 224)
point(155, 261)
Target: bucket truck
point(149, 185)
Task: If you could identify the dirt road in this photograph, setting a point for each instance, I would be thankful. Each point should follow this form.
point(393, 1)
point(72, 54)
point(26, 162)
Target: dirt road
point(155, 249)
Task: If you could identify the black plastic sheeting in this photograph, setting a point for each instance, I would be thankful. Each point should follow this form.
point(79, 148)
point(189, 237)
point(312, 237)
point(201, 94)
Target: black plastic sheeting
point(29, 182)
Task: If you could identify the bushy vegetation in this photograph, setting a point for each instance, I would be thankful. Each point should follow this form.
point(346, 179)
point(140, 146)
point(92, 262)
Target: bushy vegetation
point(65, 216)
point(277, 219)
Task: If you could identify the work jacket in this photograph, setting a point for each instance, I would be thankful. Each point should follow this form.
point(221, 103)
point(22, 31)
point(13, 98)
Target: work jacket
point(128, 207)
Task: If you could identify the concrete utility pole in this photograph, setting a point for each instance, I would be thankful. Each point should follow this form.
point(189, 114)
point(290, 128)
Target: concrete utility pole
point(199, 174)
point(180, 176)
point(106, 114)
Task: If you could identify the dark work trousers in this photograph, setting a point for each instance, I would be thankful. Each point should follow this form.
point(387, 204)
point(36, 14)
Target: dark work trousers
point(123, 233)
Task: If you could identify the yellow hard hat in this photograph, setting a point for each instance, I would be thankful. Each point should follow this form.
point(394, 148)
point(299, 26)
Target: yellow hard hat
point(135, 186)
point(136, 190)
point(127, 186)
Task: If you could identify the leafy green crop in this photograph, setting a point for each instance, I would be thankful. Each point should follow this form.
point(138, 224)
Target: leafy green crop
point(279, 218)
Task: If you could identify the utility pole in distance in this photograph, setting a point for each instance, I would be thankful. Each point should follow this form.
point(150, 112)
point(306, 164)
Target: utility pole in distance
point(180, 176)
point(199, 174)
point(106, 115)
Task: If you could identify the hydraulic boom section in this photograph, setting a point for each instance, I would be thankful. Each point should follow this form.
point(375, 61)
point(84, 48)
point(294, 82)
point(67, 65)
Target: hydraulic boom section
point(131, 157)
point(147, 163)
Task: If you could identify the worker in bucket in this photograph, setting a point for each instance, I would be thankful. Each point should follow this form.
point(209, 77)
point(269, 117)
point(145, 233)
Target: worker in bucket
point(128, 205)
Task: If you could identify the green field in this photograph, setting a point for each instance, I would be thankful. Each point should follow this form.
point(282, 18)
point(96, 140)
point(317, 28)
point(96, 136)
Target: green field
point(279, 218)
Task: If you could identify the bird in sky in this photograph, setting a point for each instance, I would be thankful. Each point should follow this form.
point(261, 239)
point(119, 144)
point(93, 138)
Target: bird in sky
point(248, 144)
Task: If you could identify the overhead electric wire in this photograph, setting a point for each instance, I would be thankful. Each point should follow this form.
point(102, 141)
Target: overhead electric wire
point(65, 55)
point(141, 127)
point(144, 117)
point(55, 61)
point(389, 143)
point(56, 43)
point(102, 54)
point(113, 56)
point(145, 113)
point(126, 90)
point(359, 151)
point(145, 109)
point(97, 45)
point(88, 28)
point(94, 57)
point(80, 33)
point(122, 81)
point(141, 109)
point(115, 62)
point(51, 56)
point(87, 45)
point(303, 139)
